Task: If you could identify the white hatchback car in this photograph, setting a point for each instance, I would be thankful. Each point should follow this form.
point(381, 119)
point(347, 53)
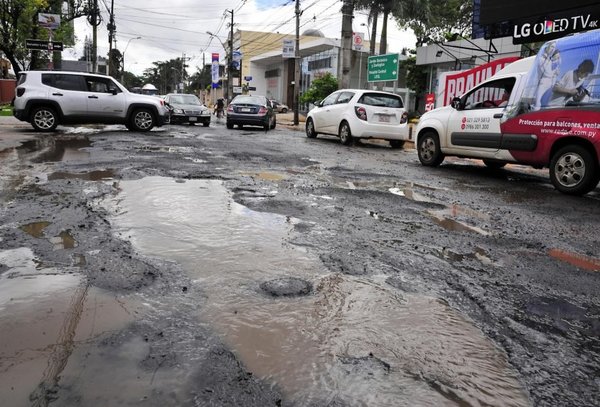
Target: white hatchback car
point(359, 113)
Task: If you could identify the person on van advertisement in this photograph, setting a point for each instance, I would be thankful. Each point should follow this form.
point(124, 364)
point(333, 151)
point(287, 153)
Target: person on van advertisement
point(566, 73)
point(547, 66)
point(558, 126)
point(570, 86)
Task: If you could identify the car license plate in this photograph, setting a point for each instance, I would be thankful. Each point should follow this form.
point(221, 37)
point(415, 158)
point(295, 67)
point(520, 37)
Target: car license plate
point(193, 119)
point(384, 118)
point(245, 110)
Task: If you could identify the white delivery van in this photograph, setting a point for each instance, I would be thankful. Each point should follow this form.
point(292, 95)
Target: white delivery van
point(542, 111)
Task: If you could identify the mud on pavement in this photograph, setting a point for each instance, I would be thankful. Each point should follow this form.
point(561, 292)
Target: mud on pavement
point(197, 266)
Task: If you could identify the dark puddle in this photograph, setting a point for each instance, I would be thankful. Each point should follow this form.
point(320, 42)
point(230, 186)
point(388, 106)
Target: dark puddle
point(59, 150)
point(35, 229)
point(98, 175)
point(564, 315)
point(64, 240)
point(334, 341)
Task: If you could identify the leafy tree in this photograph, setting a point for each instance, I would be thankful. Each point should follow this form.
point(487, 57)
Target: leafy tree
point(115, 61)
point(320, 88)
point(397, 8)
point(19, 21)
point(165, 75)
point(416, 77)
point(433, 21)
point(130, 80)
point(202, 78)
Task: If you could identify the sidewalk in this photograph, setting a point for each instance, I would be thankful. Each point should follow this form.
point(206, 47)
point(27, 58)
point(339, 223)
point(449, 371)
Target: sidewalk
point(287, 119)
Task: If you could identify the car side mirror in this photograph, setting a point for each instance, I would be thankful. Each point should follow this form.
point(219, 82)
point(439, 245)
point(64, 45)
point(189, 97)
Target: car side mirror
point(114, 91)
point(319, 103)
point(456, 103)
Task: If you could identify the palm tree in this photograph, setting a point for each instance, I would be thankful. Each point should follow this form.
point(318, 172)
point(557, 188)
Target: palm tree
point(385, 7)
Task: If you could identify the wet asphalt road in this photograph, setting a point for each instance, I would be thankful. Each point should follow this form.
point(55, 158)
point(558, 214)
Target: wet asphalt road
point(514, 258)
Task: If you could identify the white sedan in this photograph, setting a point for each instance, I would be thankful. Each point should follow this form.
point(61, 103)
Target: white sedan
point(358, 113)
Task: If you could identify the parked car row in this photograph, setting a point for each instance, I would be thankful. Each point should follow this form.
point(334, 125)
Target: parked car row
point(512, 117)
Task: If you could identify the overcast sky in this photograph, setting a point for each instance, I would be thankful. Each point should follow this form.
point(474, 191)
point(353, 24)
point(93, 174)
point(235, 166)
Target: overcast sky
point(170, 28)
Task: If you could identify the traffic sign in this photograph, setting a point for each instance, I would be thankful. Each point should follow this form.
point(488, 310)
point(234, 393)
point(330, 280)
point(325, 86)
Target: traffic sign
point(44, 45)
point(357, 41)
point(382, 68)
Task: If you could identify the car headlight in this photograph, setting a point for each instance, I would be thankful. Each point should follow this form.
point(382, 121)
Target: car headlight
point(178, 111)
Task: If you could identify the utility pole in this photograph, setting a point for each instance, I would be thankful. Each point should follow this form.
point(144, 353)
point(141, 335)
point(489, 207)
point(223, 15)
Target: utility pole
point(346, 50)
point(94, 20)
point(230, 60)
point(297, 66)
point(111, 32)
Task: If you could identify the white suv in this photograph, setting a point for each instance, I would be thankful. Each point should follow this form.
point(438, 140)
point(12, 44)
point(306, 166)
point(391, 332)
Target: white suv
point(49, 98)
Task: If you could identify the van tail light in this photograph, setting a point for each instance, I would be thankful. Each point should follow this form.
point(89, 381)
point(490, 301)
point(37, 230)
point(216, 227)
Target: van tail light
point(230, 108)
point(20, 91)
point(263, 111)
point(404, 118)
point(361, 112)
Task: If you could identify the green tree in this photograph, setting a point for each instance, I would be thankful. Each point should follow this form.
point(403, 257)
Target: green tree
point(320, 88)
point(416, 77)
point(165, 75)
point(19, 21)
point(130, 80)
point(434, 21)
point(202, 78)
point(396, 8)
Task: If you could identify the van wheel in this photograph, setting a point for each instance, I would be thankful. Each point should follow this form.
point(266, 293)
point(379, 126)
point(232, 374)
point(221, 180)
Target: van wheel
point(345, 134)
point(44, 118)
point(494, 164)
point(573, 170)
point(429, 151)
point(396, 143)
point(142, 120)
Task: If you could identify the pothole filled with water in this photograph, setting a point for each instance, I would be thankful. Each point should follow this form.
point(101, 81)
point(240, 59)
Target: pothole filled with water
point(44, 315)
point(352, 340)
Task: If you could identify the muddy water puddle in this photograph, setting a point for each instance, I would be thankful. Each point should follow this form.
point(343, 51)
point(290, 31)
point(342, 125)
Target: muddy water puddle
point(45, 313)
point(353, 340)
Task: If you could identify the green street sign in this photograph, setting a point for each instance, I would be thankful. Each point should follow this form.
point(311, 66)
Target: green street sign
point(382, 68)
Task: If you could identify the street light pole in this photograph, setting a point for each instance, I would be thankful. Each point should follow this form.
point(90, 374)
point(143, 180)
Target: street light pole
point(228, 70)
point(123, 57)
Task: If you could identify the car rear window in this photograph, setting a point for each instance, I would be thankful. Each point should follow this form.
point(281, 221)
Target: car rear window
point(251, 100)
point(378, 99)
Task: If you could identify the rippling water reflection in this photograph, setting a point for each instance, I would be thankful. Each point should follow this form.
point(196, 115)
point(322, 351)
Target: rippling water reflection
point(355, 340)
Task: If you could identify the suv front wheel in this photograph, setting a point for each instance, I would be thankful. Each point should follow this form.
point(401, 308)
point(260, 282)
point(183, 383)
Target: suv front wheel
point(44, 118)
point(142, 120)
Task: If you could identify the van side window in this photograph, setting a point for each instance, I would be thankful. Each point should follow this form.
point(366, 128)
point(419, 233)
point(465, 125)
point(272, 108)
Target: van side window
point(490, 95)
